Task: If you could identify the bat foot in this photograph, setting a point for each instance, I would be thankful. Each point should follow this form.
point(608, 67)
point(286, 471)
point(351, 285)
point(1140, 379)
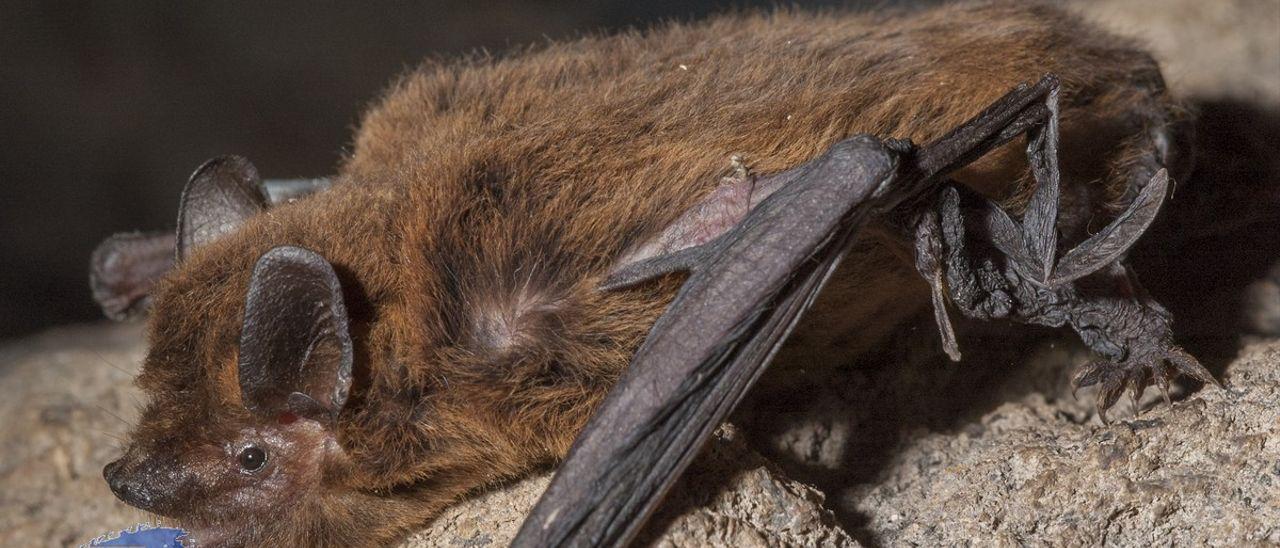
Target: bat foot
point(1156, 366)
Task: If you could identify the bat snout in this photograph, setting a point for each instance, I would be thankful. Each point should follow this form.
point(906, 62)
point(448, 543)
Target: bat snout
point(137, 486)
point(127, 488)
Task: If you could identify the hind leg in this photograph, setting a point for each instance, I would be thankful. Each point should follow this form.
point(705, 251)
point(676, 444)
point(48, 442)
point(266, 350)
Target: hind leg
point(1109, 309)
point(1006, 268)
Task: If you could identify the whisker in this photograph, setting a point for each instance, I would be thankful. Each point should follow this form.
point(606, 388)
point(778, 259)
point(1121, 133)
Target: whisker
point(109, 412)
point(116, 437)
point(111, 364)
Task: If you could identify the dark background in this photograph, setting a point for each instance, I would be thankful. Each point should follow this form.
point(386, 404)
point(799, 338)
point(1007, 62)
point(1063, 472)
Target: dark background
point(107, 107)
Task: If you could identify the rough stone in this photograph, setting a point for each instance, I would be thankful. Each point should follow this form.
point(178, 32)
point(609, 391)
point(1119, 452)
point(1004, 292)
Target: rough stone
point(68, 399)
point(730, 497)
point(1224, 49)
point(1204, 472)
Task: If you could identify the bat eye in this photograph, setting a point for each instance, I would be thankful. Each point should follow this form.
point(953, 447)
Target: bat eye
point(252, 459)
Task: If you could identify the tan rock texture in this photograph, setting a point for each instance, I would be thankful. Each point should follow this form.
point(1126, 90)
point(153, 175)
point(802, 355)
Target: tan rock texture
point(730, 497)
point(68, 399)
point(1205, 471)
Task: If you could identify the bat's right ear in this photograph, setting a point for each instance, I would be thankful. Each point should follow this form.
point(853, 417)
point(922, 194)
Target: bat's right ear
point(220, 195)
point(295, 345)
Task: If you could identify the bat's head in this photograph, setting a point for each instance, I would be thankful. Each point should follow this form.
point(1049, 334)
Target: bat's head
point(228, 476)
point(248, 370)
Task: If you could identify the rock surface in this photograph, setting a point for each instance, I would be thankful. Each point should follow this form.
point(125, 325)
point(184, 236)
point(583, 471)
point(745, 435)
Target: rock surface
point(1035, 469)
point(730, 497)
point(1204, 472)
point(68, 399)
point(1220, 49)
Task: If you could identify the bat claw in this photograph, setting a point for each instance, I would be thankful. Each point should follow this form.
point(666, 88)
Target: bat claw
point(928, 244)
point(1163, 383)
point(1156, 367)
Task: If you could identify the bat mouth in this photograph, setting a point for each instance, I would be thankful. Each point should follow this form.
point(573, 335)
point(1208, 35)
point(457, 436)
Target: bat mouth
point(208, 536)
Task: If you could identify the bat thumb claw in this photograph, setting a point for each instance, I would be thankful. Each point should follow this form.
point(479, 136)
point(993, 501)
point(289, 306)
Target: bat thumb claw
point(953, 351)
point(945, 331)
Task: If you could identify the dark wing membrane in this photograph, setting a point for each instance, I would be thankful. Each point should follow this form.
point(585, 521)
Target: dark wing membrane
point(710, 346)
point(124, 267)
point(280, 191)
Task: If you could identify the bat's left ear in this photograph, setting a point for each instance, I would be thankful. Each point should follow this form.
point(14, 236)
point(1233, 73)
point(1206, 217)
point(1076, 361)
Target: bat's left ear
point(220, 195)
point(295, 345)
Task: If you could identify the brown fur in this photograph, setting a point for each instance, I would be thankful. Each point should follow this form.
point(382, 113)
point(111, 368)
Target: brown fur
point(487, 198)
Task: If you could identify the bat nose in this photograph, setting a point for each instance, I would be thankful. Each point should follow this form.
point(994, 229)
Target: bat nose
point(126, 488)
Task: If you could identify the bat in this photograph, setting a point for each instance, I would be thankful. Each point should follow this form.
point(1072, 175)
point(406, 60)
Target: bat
point(613, 237)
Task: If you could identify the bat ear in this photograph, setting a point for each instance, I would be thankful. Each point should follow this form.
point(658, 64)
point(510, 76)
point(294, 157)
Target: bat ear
point(220, 195)
point(124, 267)
point(295, 346)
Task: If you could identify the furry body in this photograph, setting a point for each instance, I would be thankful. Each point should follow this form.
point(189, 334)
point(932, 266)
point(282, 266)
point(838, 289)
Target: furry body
point(487, 199)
